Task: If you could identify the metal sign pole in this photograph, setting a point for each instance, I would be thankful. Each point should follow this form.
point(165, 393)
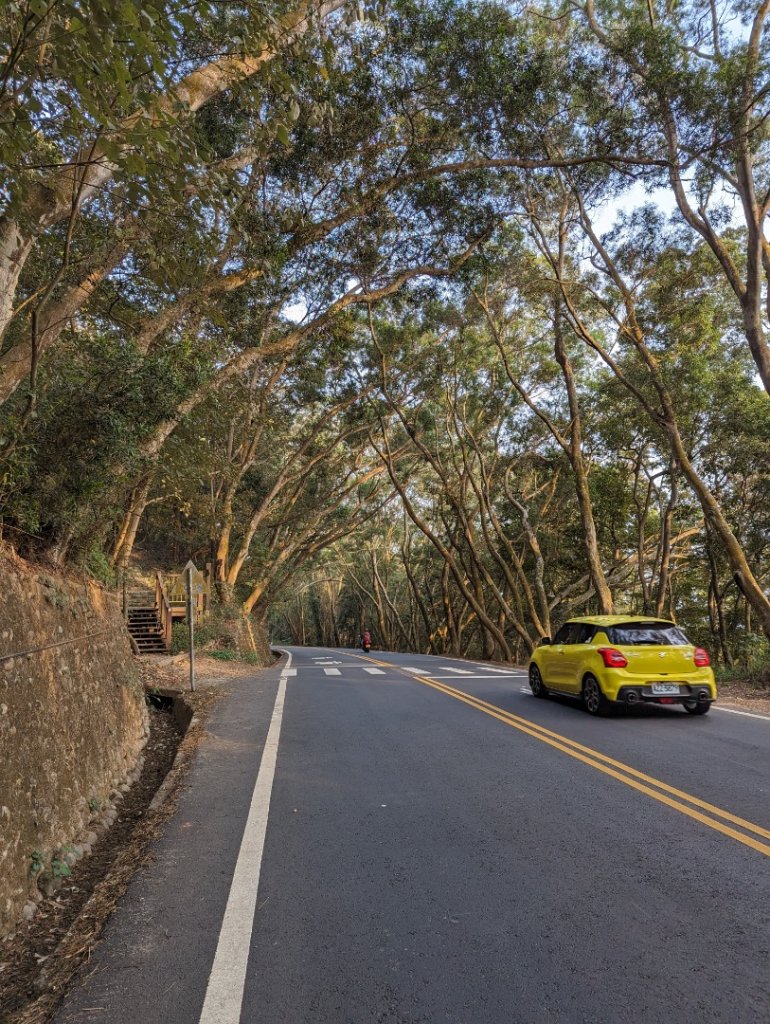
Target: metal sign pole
point(191, 624)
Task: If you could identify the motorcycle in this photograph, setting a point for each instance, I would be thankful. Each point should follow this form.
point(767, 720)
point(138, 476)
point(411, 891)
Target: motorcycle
point(366, 648)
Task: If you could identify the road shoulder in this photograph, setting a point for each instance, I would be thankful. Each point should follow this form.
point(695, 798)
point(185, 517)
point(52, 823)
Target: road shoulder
point(158, 946)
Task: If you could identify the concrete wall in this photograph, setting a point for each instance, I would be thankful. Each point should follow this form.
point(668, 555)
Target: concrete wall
point(72, 726)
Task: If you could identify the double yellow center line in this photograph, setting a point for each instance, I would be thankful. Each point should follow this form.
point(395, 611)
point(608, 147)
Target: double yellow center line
point(691, 806)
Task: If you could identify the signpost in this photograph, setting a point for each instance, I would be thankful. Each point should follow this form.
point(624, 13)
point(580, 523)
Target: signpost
point(190, 585)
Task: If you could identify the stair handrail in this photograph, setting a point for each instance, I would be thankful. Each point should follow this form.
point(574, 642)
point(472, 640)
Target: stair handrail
point(163, 610)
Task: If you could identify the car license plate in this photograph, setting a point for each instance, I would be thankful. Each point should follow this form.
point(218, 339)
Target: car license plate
point(662, 688)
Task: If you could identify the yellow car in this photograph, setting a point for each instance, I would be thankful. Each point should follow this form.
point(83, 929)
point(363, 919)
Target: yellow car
point(623, 659)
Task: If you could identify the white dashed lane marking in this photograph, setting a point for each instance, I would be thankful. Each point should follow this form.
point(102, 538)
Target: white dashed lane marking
point(499, 673)
point(332, 671)
point(288, 671)
point(374, 671)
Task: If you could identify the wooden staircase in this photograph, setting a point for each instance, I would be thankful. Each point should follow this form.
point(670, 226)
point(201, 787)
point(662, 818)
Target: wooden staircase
point(150, 614)
point(144, 623)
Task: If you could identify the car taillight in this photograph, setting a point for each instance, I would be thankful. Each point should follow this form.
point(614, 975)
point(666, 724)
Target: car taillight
point(701, 657)
point(613, 658)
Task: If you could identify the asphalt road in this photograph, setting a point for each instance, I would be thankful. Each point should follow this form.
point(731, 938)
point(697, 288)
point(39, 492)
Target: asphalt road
point(441, 847)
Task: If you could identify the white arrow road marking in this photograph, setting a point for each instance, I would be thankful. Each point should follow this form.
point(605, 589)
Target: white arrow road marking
point(224, 993)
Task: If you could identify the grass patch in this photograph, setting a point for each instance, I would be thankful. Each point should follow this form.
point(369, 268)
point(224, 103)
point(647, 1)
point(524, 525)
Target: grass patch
point(208, 635)
point(247, 657)
point(225, 638)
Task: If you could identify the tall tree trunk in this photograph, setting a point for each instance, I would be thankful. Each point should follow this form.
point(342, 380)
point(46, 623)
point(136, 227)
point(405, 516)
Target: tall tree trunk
point(715, 604)
point(452, 636)
point(126, 539)
point(642, 510)
point(405, 554)
point(534, 546)
point(575, 453)
point(60, 548)
point(665, 540)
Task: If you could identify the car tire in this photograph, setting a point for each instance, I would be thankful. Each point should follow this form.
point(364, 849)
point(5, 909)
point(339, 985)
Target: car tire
point(594, 700)
point(697, 707)
point(536, 684)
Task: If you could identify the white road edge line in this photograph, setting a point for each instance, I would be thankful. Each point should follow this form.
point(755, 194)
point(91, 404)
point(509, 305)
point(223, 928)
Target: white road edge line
point(730, 711)
point(746, 714)
point(227, 980)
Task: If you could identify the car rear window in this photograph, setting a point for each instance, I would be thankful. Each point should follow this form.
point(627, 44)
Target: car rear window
point(574, 633)
point(656, 634)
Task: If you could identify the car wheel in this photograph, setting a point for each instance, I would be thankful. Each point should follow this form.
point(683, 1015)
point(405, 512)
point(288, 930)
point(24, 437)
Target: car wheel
point(594, 700)
point(697, 707)
point(536, 684)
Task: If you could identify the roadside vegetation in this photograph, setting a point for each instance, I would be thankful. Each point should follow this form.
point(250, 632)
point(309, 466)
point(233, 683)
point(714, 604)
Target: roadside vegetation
point(447, 320)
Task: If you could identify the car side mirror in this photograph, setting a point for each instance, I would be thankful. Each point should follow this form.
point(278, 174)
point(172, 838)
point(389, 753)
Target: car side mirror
point(545, 641)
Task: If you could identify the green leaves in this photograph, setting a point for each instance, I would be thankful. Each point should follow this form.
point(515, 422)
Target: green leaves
point(282, 134)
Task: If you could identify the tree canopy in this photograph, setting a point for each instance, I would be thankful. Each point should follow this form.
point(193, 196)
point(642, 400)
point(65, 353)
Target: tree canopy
point(445, 318)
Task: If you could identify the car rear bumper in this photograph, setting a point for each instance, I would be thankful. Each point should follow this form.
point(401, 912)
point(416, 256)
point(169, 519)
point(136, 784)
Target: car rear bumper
point(701, 692)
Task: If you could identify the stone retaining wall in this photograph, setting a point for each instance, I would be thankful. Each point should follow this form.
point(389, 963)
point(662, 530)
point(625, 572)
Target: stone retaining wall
point(73, 724)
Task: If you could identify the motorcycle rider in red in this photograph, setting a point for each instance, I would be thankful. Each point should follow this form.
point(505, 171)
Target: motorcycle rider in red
point(366, 641)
